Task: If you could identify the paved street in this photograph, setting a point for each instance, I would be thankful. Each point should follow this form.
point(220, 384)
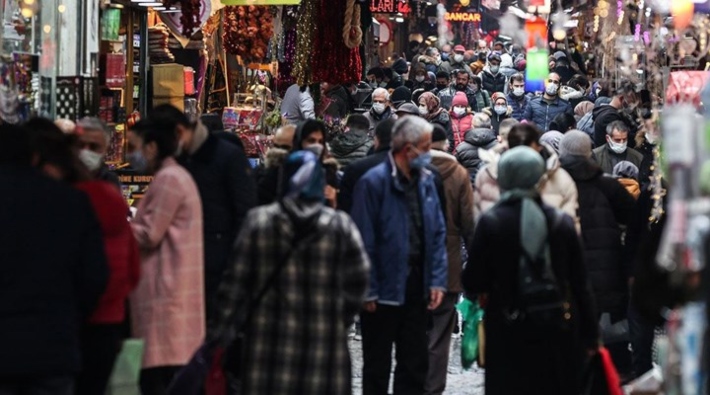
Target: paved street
point(459, 382)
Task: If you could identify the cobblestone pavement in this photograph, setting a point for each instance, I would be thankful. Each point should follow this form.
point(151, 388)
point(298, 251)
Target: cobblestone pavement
point(459, 382)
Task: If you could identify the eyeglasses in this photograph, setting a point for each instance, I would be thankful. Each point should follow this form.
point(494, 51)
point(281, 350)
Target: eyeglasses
point(556, 82)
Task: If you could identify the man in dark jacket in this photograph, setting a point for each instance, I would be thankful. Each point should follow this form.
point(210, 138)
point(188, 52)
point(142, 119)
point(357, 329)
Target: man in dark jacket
point(493, 80)
point(461, 84)
point(396, 208)
point(517, 99)
point(54, 271)
point(543, 109)
point(227, 190)
point(562, 67)
point(625, 97)
point(354, 143)
point(95, 137)
point(353, 173)
point(616, 148)
point(335, 101)
point(455, 61)
point(399, 64)
point(603, 205)
point(481, 136)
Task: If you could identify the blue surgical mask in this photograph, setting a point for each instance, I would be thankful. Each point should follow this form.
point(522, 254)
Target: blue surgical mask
point(138, 162)
point(421, 161)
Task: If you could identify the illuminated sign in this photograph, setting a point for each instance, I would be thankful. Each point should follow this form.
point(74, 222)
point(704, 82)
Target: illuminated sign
point(261, 2)
point(462, 17)
point(388, 7)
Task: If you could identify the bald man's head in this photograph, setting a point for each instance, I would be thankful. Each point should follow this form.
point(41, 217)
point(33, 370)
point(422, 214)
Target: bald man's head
point(284, 137)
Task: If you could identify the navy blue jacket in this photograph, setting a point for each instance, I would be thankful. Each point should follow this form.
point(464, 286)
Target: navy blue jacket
point(518, 104)
point(381, 213)
point(541, 112)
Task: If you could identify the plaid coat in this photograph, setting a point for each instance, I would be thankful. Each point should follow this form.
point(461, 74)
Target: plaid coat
point(296, 342)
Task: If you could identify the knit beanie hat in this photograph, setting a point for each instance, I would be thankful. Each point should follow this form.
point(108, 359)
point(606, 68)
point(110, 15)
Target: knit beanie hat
point(439, 134)
point(460, 100)
point(401, 95)
point(498, 95)
point(576, 143)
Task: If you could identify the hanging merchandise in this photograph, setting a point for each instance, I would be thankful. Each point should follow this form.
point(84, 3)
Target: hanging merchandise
point(158, 37)
point(332, 61)
point(247, 32)
point(189, 15)
point(352, 32)
point(305, 33)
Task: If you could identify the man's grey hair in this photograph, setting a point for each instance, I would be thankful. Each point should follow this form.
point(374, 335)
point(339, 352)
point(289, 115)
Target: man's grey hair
point(616, 125)
point(482, 121)
point(505, 126)
point(95, 125)
point(381, 92)
point(409, 130)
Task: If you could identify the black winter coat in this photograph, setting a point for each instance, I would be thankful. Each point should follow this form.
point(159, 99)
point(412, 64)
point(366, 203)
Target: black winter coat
point(493, 83)
point(228, 191)
point(53, 273)
point(603, 205)
point(353, 173)
point(467, 151)
point(349, 147)
point(645, 172)
point(520, 357)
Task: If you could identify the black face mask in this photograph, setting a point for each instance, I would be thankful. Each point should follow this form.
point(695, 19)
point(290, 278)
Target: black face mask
point(441, 86)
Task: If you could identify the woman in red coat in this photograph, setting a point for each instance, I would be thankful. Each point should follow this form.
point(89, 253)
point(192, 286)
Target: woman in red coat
point(102, 335)
point(461, 119)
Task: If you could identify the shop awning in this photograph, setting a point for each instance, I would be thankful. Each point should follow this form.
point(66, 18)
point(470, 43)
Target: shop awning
point(261, 2)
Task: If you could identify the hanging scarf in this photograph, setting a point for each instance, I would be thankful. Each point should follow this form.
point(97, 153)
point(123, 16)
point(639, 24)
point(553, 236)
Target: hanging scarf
point(519, 171)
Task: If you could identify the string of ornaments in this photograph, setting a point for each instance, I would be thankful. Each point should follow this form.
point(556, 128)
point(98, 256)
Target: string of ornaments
point(305, 31)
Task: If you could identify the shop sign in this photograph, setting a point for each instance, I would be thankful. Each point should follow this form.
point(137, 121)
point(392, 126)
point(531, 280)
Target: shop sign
point(462, 17)
point(261, 2)
point(388, 7)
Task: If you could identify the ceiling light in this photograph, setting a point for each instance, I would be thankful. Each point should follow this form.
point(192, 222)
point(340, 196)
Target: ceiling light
point(151, 4)
point(143, 1)
point(159, 8)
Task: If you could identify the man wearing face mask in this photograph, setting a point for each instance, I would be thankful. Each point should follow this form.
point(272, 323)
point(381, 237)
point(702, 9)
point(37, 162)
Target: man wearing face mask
point(397, 210)
point(455, 61)
point(517, 99)
point(476, 100)
point(623, 101)
point(419, 79)
point(431, 59)
point(493, 80)
point(616, 148)
point(543, 109)
point(95, 137)
point(380, 110)
point(376, 78)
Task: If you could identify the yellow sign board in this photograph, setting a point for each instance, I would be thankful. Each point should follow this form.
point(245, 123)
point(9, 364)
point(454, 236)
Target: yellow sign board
point(261, 2)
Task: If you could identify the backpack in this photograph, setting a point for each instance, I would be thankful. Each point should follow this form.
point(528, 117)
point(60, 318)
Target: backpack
point(541, 301)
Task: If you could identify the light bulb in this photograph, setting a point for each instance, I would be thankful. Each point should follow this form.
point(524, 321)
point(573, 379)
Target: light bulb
point(559, 34)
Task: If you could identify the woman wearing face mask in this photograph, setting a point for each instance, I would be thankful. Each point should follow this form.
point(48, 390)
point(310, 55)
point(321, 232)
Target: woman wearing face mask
point(431, 110)
point(461, 119)
point(311, 135)
point(167, 308)
point(419, 79)
point(101, 333)
point(500, 110)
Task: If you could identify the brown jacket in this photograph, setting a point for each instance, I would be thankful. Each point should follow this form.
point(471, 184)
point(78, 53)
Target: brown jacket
point(459, 216)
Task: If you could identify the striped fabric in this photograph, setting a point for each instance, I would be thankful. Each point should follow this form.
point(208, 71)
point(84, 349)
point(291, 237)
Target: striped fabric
point(297, 340)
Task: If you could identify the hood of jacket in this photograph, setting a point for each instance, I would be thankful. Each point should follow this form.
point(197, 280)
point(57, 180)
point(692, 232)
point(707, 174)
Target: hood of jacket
point(445, 163)
point(581, 168)
point(482, 138)
point(346, 143)
point(604, 111)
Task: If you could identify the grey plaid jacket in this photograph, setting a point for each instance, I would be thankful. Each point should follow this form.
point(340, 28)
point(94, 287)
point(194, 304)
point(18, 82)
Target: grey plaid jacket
point(296, 342)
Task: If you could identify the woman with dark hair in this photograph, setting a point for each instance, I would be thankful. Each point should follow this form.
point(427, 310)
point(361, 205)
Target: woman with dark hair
point(102, 334)
point(563, 123)
point(167, 308)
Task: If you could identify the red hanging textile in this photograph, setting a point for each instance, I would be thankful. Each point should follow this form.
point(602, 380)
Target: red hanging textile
point(331, 60)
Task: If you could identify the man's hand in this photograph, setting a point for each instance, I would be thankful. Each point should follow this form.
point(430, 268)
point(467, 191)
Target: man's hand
point(435, 299)
point(369, 307)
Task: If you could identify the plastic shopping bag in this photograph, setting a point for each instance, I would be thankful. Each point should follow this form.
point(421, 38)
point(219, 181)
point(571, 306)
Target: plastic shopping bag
point(126, 370)
point(472, 315)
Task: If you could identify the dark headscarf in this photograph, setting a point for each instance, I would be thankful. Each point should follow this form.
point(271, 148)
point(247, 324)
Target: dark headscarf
point(305, 129)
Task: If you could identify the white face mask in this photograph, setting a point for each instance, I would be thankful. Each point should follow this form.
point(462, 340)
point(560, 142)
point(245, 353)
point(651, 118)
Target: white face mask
point(518, 92)
point(423, 110)
point(459, 111)
point(500, 110)
point(552, 89)
point(316, 149)
point(378, 107)
point(619, 148)
point(91, 159)
point(458, 58)
point(420, 78)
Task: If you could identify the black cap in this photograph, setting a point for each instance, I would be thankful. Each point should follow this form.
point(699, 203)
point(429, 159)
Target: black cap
point(439, 134)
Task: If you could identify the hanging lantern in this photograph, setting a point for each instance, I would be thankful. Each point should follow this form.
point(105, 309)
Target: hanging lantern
point(682, 11)
point(536, 28)
point(536, 70)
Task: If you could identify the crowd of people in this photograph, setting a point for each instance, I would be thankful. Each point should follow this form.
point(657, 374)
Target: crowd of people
point(452, 184)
